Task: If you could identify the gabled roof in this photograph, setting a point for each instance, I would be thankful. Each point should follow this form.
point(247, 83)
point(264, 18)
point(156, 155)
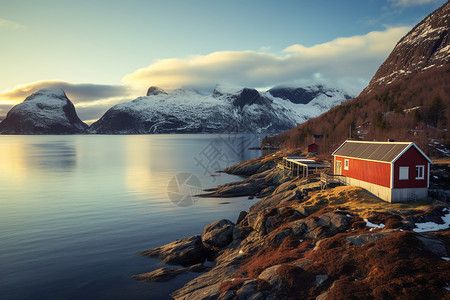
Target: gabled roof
point(377, 151)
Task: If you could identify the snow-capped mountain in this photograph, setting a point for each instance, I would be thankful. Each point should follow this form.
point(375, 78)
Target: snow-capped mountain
point(44, 112)
point(225, 110)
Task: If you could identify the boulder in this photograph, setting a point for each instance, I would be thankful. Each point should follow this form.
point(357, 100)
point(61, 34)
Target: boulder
point(272, 277)
point(334, 222)
point(161, 274)
point(218, 234)
point(240, 232)
point(241, 217)
point(362, 239)
point(433, 244)
point(186, 252)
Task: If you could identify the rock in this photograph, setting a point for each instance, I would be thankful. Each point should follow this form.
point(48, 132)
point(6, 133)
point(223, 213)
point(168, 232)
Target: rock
point(205, 293)
point(161, 274)
point(241, 217)
point(272, 277)
point(240, 233)
point(334, 222)
point(433, 244)
point(299, 227)
point(434, 215)
point(258, 296)
point(320, 279)
point(280, 237)
point(218, 234)
point(362, 239)
point(249, 288)
point(187, 251)
point(304, 263)
point(303, 211)
point(322, 296)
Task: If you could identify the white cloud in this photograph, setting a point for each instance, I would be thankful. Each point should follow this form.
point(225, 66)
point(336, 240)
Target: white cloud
point(349, 61)
point(408, 3)
point(80, 92)
point(11, 24)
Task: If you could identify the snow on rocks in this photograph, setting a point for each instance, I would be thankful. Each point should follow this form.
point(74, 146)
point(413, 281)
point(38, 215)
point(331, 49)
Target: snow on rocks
point(374, 226)
point(432, 226)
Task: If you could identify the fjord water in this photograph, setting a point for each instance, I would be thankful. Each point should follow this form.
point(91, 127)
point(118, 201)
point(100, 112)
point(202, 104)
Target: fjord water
point(75, 211)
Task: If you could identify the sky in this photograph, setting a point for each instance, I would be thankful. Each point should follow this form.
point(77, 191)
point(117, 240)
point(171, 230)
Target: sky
point(107, 52)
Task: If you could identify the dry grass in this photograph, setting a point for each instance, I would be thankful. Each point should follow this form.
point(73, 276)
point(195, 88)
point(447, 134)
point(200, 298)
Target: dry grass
point(441, 160)
point(357, 200)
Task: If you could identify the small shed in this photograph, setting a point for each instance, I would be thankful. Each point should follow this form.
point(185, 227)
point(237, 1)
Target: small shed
point(313, 148)
point(393, 171)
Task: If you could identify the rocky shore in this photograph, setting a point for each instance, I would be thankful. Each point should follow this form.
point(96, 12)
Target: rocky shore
point(300, 242)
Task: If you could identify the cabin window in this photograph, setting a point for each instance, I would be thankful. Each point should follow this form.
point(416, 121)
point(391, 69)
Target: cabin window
point(420, 171)
point(346, 164)
point(403, 173)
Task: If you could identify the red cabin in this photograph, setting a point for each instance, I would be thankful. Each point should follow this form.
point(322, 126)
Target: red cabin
point(392, 171)
point(313, 148)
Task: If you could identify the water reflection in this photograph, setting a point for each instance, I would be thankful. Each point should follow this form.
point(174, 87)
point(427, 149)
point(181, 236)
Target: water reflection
point(55, 156)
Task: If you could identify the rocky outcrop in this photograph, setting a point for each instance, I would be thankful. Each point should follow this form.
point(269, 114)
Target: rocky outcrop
point(334, 243)
point(218, 234)
point(43, 112)
point(185, 252)
point(302, 95)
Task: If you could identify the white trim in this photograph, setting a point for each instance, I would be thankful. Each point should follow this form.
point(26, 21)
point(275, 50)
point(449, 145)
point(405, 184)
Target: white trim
point(423, 172)
point(374, 142)
point(386, 143)
point(392, 176)
point(346, 164)
point(332, 154)
point(424, 155)
point(401, 153)
point(418, 149)
point(428, 181)
point(401, 173)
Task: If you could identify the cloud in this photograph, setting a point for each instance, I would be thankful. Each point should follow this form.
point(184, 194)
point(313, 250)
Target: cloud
point(11, 24)
point(409, 3)
point(346, 61)
point(81, 92)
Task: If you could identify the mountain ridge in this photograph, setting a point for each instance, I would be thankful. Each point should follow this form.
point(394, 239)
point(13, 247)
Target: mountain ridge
point(224, 110)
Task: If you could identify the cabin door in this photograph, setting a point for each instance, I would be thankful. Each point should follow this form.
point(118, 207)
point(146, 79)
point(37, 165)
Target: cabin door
point(339, 168)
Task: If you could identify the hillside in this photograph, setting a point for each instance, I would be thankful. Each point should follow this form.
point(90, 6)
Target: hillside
point(407, 99)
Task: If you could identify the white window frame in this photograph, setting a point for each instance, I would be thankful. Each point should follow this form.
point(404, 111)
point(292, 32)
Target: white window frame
point(403, 173)
point(423, 171)
point(346, 164)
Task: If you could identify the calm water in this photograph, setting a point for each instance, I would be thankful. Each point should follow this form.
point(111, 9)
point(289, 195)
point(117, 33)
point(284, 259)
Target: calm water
point(76, 210)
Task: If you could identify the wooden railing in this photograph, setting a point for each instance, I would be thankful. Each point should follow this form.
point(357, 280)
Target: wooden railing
point(327, 179)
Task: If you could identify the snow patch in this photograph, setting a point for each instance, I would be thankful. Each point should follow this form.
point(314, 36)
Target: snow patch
point(431, 226)
point(374, 226)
